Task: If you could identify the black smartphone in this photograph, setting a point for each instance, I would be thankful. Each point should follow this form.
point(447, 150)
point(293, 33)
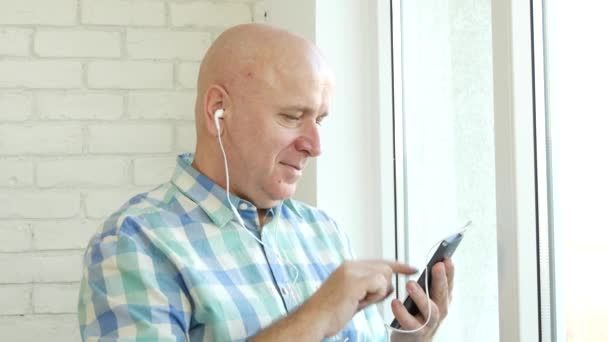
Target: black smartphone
point(445, 250)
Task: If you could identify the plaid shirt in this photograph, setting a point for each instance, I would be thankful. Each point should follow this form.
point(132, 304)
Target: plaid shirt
point(173, 264)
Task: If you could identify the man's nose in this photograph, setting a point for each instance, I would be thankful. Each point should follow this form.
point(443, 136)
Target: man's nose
point(309, 141)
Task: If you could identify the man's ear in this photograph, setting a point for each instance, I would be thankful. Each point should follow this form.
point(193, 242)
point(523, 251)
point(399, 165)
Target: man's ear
point(216, 98)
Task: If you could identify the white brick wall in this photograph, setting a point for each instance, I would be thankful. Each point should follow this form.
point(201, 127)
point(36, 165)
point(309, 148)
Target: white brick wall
point(77, 43)
point(14, 173)
point(187, 75)
point(96, 99)
point(14, 41)
point(16, 236)
point(123, 12)
point(38, 12)
point(83, 172)
point(162, 105)
point(40, 327)
point(150, 171)
point(55, 298)
point(40, 74)
point(15, 106)
point(35, 137)
point(205, 13)
point(127, 138)
point(130, 75)
point(186, 45)
point(16, 299)
point(186, 136)
point(79, 106)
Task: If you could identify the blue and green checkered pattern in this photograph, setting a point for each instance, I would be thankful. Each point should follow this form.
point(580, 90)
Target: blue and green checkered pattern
point(173, 264)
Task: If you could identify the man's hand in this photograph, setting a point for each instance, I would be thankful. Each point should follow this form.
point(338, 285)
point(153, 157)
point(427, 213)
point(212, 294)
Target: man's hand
point(352, 287)
point(441, 292)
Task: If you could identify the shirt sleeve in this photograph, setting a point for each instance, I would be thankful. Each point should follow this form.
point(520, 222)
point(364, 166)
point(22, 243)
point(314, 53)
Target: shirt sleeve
point(130, 291)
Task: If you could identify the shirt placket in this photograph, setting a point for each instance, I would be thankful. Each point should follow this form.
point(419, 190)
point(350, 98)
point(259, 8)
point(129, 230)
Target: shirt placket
point(278, 265)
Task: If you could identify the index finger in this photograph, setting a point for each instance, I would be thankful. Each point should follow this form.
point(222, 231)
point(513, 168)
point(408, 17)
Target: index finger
point(401, 268)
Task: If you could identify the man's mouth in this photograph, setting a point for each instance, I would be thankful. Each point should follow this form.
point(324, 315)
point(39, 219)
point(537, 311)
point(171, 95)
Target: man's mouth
point(294, 166)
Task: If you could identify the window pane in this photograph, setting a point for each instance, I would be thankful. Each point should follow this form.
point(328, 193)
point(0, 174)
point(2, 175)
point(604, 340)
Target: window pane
point(576, 55)
point(449, 152)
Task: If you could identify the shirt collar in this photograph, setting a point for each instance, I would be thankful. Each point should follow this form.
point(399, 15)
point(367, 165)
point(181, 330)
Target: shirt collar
point(210, 196)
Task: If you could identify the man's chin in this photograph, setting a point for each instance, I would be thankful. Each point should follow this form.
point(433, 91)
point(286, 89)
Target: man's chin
point(283, 192)
point(273, 196)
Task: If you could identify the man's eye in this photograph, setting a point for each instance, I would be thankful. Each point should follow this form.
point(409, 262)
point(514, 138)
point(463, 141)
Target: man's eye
point(290, 117)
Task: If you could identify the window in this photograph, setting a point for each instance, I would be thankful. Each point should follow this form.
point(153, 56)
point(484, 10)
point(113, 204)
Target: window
point(445, 150)
point(575, 80)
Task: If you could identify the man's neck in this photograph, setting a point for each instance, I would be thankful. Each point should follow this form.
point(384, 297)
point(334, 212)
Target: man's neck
point(262, 217)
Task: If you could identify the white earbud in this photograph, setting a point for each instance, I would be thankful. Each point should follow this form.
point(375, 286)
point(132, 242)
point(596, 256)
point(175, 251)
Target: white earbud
point(216, 116)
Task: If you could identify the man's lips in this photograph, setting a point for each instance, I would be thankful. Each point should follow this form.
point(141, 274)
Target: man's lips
point(295, 166)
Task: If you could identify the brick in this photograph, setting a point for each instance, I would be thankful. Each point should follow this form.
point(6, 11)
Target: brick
point(38, 204)
point(153, 171)
point(82, 172)
point(40, 74)
point(167, 44)
point(40, 139)
point(15, 106)
point(130, 75)
point(123, 12)
point(41, 267)
point(162, 105)
point(40, 328)
point(16, 173)
point(79, 106)
point(62, 234)
point(16, 236)
point(15, 299)
point(38, 12)
point(15, 42)
point(187, 75)
point(61, 267)
point(186, 137)
point(56, 298)
point(16, 275)
point(77, 43)
point(102, 203)
point(130, 138)
point(201, 13)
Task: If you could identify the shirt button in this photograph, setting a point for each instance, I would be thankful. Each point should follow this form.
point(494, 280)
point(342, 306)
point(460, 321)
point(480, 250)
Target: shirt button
point(284, 291)
point(243, 206)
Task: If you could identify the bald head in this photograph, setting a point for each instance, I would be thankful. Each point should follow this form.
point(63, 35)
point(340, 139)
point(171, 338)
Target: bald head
point(245, 58)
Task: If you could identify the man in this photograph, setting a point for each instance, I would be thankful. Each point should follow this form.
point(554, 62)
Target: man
point(187, 261)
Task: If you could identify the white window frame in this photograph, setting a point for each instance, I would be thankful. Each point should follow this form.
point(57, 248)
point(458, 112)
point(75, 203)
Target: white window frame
point(516, 183)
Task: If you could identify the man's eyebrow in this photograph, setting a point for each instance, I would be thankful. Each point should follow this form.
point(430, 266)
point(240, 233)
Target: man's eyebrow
point(297, 108)
point(303, 109)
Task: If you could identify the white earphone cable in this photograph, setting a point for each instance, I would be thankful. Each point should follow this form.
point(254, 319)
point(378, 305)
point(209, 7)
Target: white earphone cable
point(292, 291)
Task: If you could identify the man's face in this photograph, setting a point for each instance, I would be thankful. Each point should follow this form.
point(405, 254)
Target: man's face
point(274, 130)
